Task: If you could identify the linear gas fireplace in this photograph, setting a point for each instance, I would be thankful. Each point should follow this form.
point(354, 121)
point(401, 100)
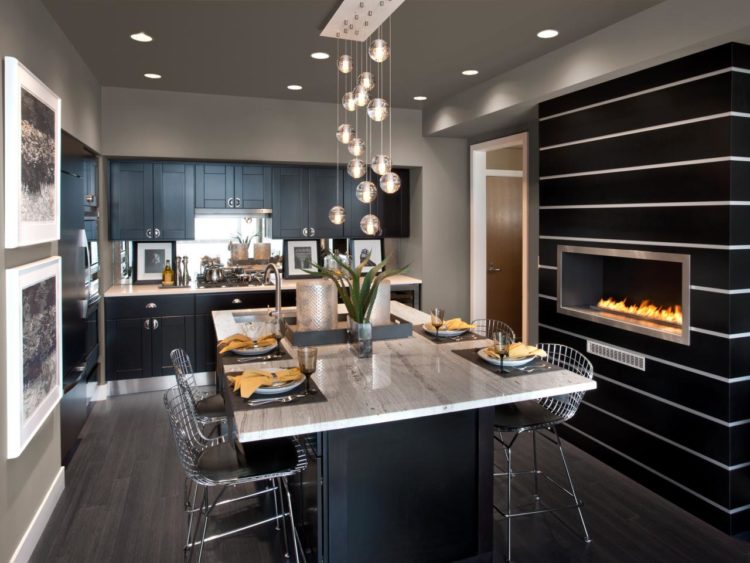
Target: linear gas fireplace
point(639, 291)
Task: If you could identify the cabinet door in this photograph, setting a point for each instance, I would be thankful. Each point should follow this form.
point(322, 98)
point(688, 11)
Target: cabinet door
point(326, 189)
point(131, 210)
point(168, 333)
point(394, 209)
point(128, 348)
point(355, 209)
point(174, 201)
point(91, 180)
point(251, 186)
point(214, 186)
point(290, 202)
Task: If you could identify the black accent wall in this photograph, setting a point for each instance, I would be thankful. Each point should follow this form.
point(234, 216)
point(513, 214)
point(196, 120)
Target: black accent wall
point(659, 160)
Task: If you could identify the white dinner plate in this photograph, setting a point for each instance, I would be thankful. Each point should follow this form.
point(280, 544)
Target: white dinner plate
point(511, 363)
point(443, 332)
point(259, 351)
point(279, 388)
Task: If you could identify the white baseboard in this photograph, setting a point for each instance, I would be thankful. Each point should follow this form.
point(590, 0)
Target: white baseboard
point(101, 392)
point(161, 383)
point(39, 522)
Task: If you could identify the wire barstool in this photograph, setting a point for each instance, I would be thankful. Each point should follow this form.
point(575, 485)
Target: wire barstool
point(488, 327)
point(209, 406)
point(537, 416)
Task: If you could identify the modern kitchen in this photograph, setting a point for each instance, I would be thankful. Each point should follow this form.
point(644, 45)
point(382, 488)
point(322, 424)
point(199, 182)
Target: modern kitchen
point(375, 280)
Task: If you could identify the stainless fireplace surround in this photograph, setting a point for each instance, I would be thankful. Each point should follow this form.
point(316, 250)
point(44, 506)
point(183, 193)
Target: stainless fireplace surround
point(580, 284)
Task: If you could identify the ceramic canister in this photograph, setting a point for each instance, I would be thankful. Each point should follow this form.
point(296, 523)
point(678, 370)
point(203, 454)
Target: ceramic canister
point(381, 311)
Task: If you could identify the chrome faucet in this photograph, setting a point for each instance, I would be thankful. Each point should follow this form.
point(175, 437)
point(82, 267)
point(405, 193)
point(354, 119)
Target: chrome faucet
point(272, 266)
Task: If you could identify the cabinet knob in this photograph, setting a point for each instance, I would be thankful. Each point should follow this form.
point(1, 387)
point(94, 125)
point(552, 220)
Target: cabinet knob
point(149, 234)
point(157, 233)
point(312, 232)
point(147, 324)
point(150, 305)
point(89, 198)
point(155, 323)
point(237, 203)
point(305, 232)
point(230, 201)
point(236, 301)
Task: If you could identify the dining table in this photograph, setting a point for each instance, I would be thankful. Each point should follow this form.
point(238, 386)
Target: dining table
point(400, 444)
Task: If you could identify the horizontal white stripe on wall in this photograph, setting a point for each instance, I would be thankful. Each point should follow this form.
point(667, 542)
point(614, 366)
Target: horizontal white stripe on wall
point(731, 336)
point(719, 290)
point(659, 474)
point(649, 167)
point(544, 267)
point(649, 90)
point(651, 243)
point(647, 129)
point(730, 203)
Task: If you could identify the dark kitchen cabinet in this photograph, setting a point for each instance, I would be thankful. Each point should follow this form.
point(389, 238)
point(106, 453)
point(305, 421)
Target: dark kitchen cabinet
point(302, 198)
point(128, 349)
point(152, 200)
point(391, 209)
point(225, 187)
point(90, 181)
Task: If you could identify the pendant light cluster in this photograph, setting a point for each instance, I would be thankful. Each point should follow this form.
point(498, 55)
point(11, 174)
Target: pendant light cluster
point(360, 80)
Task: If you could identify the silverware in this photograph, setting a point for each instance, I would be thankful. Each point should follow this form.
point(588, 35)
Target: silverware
point(256, 358)
point(285, 399)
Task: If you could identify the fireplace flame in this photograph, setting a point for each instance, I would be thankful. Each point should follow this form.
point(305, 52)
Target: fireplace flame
point(646, 310)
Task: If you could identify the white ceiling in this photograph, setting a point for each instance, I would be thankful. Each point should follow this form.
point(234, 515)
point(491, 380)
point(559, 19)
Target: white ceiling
point(258, 47)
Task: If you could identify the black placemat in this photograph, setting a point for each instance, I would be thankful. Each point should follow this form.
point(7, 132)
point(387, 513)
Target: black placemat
point(240, 404)
point(535, 366)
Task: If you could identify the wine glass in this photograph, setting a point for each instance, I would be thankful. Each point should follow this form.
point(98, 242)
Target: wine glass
point(436, 319)
point(278, 334)
point(502, 342)
point(308, 362)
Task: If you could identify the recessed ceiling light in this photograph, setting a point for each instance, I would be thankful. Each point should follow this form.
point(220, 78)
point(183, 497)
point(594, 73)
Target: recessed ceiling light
point(420, 98)
point(152, 75)
point(547, 34)
point(320, 55)
point(142, 37)
point(470, 72)
point(294, 87)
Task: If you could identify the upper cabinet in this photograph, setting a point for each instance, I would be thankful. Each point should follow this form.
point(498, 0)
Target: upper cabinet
point(151, 201)
point(391, 209)
point(226, 187)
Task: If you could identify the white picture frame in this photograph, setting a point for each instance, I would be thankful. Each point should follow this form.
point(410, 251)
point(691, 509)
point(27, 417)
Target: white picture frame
point(297, 253)
point(32, 158)
point(358, 246)
point(34, 348)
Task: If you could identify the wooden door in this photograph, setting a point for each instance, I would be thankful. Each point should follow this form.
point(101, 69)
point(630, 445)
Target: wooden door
point(129, 348)
point(290, 203)
point(250, 186)
point(324, 184)
point(131, 210)
point(394, 208)
point(214, 186)
point(168, 333)
point(355, 209)
point(174, 201)
point(504, 249)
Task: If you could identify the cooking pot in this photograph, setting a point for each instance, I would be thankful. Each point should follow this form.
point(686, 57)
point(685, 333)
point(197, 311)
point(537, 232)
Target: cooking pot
point(214, 274)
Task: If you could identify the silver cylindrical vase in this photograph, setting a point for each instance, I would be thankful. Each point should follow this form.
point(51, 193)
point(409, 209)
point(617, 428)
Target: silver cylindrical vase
point(317, 305)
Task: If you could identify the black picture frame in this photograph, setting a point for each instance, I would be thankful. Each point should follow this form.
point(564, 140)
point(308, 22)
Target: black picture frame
point(292, 267)
point(140, 274)
point(357, 245)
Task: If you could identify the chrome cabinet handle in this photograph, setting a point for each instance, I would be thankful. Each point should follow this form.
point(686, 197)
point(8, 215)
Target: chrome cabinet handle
point(155, 323)
point(148, 233)
point(493, 269)
point(230, 201)
point(312, 232)
point(238, 203)
point(157, 233)
point(147, 324)
point(236, 301)
point(305, 232)
point(89, 198)
point(150, 305)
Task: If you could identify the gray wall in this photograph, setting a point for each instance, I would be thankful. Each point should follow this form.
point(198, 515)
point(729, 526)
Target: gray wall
point(28, 33)
point(149, 123)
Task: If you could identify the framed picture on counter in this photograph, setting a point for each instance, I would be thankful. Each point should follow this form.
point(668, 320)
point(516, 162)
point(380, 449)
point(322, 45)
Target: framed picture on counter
point(150, 259)
point(34, 354)
point(298, 257)
point(360, 248)
point(32, 158)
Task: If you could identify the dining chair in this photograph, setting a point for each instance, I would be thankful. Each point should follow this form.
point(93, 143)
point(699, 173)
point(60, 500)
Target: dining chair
point(488, 327)
point(536, 417)
point(218, 464)
point(210, 407)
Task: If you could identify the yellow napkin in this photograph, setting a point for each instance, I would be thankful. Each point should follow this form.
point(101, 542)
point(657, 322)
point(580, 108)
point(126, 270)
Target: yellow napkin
point(517, 350)
point(249, 380)
point(240, 341)
point(456, 324)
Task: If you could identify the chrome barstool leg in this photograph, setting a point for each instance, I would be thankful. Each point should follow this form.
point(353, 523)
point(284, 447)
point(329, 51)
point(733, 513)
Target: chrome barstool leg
point(291, 519)
point(508, 513)
point(275, 501)
point(586, 536)
point(190, 505)
point(277, 483)
point(536, 468)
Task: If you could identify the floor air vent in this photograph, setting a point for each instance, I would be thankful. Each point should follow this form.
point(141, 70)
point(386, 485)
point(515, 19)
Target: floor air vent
point(616, 355)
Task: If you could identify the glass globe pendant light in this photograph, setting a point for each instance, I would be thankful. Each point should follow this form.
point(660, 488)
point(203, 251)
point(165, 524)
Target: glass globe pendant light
point(379, 51)
point(377, 109)
point(381, 164)
point(390, 183)
point(361, 97)
point(337, 215)
point(348, 102)
point(356, 168)
point(366, 192)
point(345, 133)
point(345, 64)
point(370, 224)
point(367, 80)
point(356, 147)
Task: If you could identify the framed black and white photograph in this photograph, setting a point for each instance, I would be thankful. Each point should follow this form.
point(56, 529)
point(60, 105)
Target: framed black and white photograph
point(34, 355)
point(370, 249)
point(299, 255)
point(150, 259)
point(32, 158)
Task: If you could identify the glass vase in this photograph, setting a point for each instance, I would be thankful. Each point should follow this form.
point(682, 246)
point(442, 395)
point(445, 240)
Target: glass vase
point(360, 335)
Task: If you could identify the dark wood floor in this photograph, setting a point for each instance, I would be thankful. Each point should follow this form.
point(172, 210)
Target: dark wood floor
point(123, 494)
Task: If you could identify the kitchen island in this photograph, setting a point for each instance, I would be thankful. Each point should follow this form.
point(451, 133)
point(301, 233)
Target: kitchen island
point(402, 445)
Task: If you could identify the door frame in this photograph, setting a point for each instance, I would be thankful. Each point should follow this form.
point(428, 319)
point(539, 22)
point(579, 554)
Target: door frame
point(478, 174)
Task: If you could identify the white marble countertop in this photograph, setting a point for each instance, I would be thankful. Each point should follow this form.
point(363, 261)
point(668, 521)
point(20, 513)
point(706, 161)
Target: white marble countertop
point(407, 378)
point(126, 290)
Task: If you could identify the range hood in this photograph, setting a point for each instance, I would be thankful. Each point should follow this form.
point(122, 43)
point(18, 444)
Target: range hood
point(259, 212)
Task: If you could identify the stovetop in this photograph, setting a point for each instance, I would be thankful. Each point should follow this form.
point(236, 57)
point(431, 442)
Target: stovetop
point(231, 280)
